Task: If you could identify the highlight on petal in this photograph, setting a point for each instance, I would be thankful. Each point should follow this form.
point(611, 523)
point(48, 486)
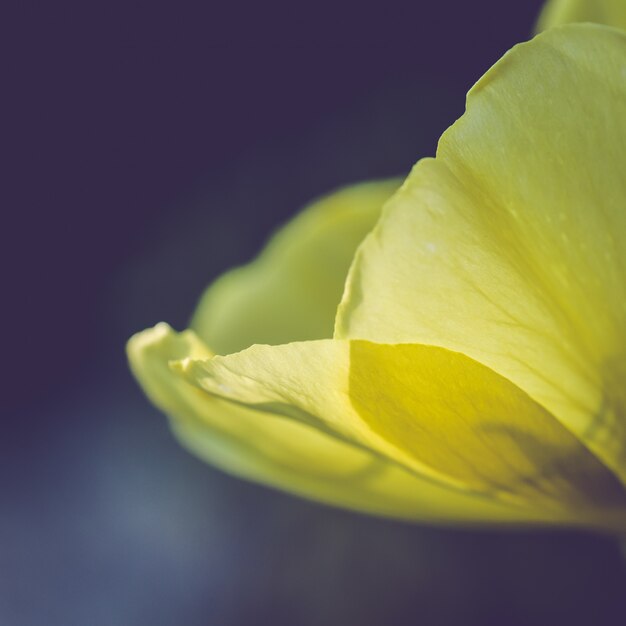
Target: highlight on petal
point(266, 447)
point(508, 246)
point(558, 12)
point(449, 420)
point(292, 290)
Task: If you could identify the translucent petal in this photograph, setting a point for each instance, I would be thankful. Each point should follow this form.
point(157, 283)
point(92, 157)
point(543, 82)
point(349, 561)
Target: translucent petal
point(292, 290)
point(274, 450)
point(558, 12)
point(444, 417)
point(508, 247)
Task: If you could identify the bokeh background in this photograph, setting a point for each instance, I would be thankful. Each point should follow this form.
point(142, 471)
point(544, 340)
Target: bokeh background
point(149, 149)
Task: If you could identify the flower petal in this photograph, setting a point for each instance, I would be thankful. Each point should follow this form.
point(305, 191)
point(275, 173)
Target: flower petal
point(267, 448)
point(508, 247)
point(292, 290)
point(444, 417)
point(557, 12)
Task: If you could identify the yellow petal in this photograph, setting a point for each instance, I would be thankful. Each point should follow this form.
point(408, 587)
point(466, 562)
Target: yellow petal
point(270, 449)
point(509, 246)
point(441, 415)
point(292, 290)
point(557, 12)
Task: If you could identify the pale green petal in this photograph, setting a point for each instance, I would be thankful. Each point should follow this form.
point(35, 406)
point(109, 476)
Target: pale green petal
point(292, 290)
point(509, 246)
point(557, 12)
point(273, 450)
point(446, 418)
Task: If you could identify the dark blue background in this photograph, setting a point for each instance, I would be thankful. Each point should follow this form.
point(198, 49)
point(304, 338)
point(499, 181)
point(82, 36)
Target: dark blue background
point(149, 148)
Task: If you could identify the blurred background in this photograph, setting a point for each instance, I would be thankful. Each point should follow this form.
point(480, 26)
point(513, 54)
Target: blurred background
point(149, 149)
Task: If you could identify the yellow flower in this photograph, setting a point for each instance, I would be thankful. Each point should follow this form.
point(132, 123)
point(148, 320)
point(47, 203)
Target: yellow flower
point(557, 12)
point(477, 368)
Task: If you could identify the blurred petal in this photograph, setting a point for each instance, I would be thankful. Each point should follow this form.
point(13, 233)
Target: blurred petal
point(557, 12)
point(273, 450)
point(443, 416)
point(292, 290)
point(508, 247)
